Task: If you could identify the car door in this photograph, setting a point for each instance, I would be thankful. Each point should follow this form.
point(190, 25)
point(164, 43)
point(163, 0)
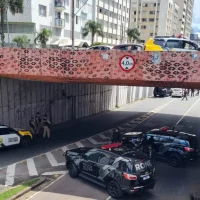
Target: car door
point(89, 165)
point(9, 137)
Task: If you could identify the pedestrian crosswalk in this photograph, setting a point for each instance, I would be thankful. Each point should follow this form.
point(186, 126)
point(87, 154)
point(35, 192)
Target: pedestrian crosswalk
point(54, 161)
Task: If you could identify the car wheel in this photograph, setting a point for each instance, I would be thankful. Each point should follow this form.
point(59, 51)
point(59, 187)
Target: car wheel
point(73, 170)
point(174, 160)
point(25, 141)
point(114, 190)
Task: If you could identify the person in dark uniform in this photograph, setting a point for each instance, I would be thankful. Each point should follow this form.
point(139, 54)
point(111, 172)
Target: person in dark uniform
point(192, 92)
point(38, 121)
point(46, 125)
point(116, 136)
point(185, 95)
point(32, 125)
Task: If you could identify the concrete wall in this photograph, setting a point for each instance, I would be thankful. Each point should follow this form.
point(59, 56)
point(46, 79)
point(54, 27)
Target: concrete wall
point(19, 100)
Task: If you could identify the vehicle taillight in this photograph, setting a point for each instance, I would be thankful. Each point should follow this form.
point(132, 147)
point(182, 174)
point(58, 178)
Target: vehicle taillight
point(130, 177)
point(188, 149)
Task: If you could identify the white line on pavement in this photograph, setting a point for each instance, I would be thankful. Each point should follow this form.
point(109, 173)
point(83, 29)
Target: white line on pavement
point(188, 111)
point(79, 144)
point(31, 167)
point(65, 148)
point(47, 186)
point(53, 173)
point(102, 136)
point(51, 159)
point(92, 140)
point(10, 175)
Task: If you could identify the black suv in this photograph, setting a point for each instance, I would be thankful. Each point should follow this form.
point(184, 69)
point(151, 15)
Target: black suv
point(162, 92)
point(119, 170)
point(174, 146)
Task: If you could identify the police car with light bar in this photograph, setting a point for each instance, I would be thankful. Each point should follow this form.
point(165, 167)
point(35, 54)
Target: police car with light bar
point(11, 137)
point(120, 170)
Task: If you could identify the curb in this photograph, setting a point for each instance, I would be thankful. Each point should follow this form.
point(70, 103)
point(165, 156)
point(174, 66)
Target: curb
point(26, 190)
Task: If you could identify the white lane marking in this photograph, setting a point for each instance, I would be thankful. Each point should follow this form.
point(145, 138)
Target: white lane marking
point(31, 167)
point(92, 141)
point(79, 144)
point(109, 198)
point(10, 175)
point(188, 111)
point(48, 186)
point(102, 136)
point(51, 159)
point(65, 148)
point(53, 173)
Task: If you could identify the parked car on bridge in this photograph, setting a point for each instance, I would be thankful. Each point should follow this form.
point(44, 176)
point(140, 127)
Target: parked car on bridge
point(119, 171)
point(167, 43)
point(100, 47)
point(177, 92)
point(11, 137)
point(129, 47)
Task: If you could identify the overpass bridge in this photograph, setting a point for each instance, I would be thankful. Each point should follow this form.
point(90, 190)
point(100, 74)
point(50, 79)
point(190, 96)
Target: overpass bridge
point(170, 69)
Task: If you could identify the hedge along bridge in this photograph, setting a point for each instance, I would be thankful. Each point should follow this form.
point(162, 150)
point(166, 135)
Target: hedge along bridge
point(170, 69)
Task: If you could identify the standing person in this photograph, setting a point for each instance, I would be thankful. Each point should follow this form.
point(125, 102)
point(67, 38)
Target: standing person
point(46, 124)
point(116, 136)
point(185, 95)
point(32, 125)
point(38, 121)
point(197, 93)
point(192, 92)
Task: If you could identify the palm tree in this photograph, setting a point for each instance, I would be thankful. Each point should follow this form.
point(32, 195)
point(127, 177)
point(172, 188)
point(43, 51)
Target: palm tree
point(22, 41)
point(92, 27)
point(43, 37)
point(12, 5)
point(133, 34)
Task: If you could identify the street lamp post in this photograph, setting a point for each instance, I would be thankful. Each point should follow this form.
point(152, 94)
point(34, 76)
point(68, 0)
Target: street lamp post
point(73, 24)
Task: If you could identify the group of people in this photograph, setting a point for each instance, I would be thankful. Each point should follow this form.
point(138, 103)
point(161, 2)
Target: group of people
point(40, 125)
point(186, 93)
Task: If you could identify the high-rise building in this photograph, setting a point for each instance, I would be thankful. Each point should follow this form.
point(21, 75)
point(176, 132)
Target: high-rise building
point(154, 17)
point(54, 15)
point(114, 17)
point(185, 16)
point(161, 17)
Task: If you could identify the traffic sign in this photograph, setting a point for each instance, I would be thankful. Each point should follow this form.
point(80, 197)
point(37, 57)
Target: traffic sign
point(127, 63)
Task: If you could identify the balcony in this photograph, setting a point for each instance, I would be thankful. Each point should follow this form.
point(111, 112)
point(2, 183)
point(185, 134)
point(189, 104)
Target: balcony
point(60, 5)
point(59, 23)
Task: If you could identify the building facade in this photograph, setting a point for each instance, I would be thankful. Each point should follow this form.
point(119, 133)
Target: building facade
point(185, 17)
point(114, 17)
point(54, 15)
point(154, 17)
point(161, 17)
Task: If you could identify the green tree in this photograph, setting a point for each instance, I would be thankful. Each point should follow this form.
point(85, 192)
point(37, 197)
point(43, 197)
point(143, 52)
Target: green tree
point(11, 5)
point(22, 41)
point(43, 37)
point(133, 34)
point(94, 28)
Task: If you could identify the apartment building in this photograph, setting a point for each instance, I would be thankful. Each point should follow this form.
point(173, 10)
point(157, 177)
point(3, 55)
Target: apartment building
point(114, 17)
point(185, 16)
point(154, 17)
point(54, 15)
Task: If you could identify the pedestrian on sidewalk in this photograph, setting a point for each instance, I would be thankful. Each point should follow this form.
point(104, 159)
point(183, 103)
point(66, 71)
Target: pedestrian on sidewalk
point(32, 125)
point(185, 95)
point(192, 92)
point(46, 125)
point(116, 136)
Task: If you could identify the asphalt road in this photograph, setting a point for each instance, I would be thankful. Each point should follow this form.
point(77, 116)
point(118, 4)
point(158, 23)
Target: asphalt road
point(172, 183)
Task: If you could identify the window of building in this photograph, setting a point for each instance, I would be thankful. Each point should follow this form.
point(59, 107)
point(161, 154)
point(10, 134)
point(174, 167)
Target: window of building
point(143, 27)
point(135, 12)
point(144, 19)
point(77, 19)
point(151, 19)
point(100, 10)
point(77, 3)
point(150, 34)
point(66, 15)
point(145, 5)
point(152, 12)
point(67, 2)
point(42, 10)
point(17, 10)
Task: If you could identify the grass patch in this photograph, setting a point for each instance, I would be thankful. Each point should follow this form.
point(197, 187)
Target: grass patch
point(12, 192)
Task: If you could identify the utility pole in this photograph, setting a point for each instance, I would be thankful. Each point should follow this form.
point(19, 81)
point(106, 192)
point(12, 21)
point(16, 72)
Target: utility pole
point(73, 15)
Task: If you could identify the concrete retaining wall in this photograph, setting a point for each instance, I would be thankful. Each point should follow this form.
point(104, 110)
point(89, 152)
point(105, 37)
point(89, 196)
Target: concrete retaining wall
point(19, 100)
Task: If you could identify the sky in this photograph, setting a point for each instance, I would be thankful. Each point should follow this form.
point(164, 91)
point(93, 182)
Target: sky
point(196, 17)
